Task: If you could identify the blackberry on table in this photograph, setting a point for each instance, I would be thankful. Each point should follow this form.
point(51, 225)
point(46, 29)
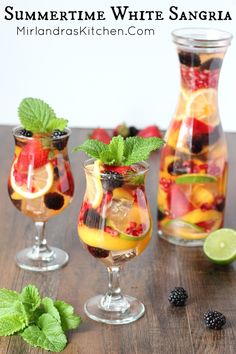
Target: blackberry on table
point(133, 131)
point(26, 133)
point(58, 135)
point(93, 219)
point(189, 59)
point(98, 252)
point(111, 180)
point(178, 296)
point(54, 201)
point(214, 319)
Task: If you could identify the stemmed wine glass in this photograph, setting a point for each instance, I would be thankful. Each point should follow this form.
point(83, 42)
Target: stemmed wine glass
point(114, 226)
point(41, 186)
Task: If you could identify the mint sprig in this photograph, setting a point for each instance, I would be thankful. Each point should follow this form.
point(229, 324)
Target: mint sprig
point(40, 322)
point(37, 116)
point(120, 151)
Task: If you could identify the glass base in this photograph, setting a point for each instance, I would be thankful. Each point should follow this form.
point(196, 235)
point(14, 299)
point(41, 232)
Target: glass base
point(96, 312)
point(42, 262)
point(180, 241)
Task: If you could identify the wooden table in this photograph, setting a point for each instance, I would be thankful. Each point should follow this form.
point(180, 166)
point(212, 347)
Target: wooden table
point(163, 329)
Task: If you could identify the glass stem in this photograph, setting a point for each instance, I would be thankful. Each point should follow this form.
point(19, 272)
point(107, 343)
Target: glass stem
point(40, 250)
point(113, 300)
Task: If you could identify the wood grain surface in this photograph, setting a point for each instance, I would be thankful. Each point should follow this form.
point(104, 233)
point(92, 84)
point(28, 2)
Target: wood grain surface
point(163, 329)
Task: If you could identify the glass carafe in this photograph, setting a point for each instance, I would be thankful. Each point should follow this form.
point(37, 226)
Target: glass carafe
point(193, 166)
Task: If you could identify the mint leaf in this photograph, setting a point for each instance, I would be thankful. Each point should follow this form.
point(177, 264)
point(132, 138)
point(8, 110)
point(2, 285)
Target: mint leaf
point(14, 319)
point(68, 319)
point(138, 149)
point(7, 300)
point(114, 153)
point(121, 151)
point(30, 298)
point(92, 148)
point(37, 116)
point(57, 123)
point(50, 308)
point(48, 334)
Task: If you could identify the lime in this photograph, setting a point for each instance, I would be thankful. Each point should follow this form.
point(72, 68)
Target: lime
point(220, 246)
point(184, 229)
point(195, 178)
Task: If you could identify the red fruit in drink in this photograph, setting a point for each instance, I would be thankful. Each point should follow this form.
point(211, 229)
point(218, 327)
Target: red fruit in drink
point(101, 135)
point(178, 203)
point(66, 181)
point(150, 131)
point(195, 78)
point(198, 127)
point(33, 154)
point(119, 169)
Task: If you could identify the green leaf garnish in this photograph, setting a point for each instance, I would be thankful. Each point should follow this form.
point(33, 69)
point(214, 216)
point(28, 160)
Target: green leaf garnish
point(37, 116)
point(41, 323)
point(121, 151)
point(47, 334)
point(68, 319)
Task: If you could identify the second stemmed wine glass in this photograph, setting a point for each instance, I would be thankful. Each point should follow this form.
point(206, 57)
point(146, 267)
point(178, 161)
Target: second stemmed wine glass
point(114, 226)
point(41, 186)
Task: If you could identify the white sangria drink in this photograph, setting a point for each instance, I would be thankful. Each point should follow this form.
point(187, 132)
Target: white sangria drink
point(194, 163)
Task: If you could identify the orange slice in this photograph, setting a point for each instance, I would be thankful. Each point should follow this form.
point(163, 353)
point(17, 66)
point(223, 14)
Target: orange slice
point(202, 104)
point(40, 178)
point(94, 189)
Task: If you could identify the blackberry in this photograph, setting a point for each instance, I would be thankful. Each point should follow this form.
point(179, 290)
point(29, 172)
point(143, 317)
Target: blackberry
point(178, 296)
point(220, 204)
point(26, 133)
point(58, 135)
point(176, 168)
point(93, 219)
point(133, 131)
point(98, 252)
point(215, 135)
point(211, 64)
point(160, 215)
point(54, 201)
point(195, 144)
point(111, 180)
point(189, 59)
point(214, 319)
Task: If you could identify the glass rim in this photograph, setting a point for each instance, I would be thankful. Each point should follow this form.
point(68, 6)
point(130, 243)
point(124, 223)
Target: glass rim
point(39, 135)
point(201, 37)
point(143, 171)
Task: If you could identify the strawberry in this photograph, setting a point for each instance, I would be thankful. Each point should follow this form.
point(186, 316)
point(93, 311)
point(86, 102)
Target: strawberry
point(151, 130)
point(178, 203)
point(32, 154)
point(119, 169)
point(198, 127)
point(66, 181)
point(101, 135)
point(196, 78)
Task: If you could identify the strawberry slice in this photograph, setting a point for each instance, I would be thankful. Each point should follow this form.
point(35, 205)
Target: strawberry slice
point(119, 169)
point(32, 154)
point(178, 203)
point(198, 127)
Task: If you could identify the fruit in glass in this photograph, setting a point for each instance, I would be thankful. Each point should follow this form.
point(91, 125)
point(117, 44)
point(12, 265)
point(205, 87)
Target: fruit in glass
point(114, 226)
point(41, 186)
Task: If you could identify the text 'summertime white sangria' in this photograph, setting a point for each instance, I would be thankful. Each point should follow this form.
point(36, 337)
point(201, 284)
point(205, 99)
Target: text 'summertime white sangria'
point(194, 165)
point(40, 182)
point(114, 222)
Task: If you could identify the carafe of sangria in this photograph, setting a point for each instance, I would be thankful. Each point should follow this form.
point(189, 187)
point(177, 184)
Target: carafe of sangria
point(193, 166)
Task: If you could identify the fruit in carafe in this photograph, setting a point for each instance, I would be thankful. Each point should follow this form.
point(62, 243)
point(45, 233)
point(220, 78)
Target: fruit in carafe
point(193, 167)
